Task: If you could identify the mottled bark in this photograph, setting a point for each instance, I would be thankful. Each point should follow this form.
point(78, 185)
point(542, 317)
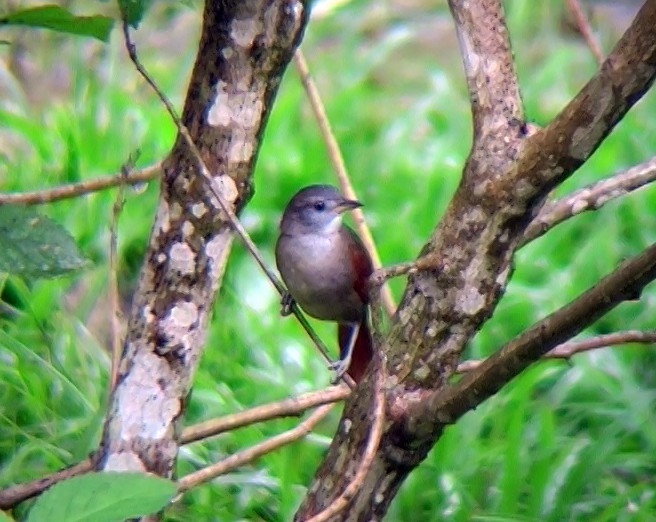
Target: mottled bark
point(244, 49)
point(509, 173)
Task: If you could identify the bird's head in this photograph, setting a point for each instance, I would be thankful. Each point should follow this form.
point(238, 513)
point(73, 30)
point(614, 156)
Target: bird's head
point(316, 209)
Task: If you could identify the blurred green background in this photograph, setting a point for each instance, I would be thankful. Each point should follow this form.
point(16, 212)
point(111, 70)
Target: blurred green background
point(565, 441)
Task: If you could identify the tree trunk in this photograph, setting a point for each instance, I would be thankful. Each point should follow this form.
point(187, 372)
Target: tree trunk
point(465, 266)
point(243, 51)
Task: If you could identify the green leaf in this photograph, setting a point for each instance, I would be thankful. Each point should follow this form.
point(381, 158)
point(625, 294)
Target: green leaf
point(133, 10)
point(34, 245)
point(59, 19)
point(103, 497)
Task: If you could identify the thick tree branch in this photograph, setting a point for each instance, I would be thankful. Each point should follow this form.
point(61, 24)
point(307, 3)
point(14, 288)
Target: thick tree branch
point(244, 49)
point(508, 174)
point(487, 57)
point(592, 197)
point(221, 202)
point(556, 151)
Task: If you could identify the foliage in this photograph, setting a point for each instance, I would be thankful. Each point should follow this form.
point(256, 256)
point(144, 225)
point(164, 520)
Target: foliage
point(34, 245)
point(103, 497)
point(565, 441)
point(59, 19)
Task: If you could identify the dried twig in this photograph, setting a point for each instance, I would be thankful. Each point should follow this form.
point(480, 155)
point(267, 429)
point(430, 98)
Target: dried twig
point(285, 408)
point(83, 187)
point(244, 457)
point(115, 306)
point(294, 406)
point(584, 29)
point(14, 495)
point(204, 172)
point(592, 197)
point(337, 160)
point(375, 435)
point(571, 348)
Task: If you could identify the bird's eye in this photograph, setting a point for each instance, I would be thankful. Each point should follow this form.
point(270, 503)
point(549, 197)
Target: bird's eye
point(319, 205)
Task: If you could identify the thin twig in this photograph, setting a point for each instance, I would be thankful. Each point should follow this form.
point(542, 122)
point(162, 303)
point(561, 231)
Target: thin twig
point(14, 495)
point(337, 160)
point(584, 29)
point(83, 187)
point(571, 348)
point(427, 262)
point(114, 302)
point(592, 197)
point(232, 218)
point(341, 503)
point(248, 455)
point(285, 408)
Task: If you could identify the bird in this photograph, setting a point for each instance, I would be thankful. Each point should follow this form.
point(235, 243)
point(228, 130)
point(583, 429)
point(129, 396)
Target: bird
point(326, 269)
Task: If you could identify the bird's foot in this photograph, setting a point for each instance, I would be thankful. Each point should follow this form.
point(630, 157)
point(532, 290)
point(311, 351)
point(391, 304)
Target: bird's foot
point(340, 367)
point(286, 304)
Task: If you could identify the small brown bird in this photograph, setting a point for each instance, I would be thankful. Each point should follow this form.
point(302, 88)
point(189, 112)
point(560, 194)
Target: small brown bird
point(326, 269)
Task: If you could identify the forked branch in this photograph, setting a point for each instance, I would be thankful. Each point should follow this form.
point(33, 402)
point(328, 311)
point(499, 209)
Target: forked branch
point(626, 282)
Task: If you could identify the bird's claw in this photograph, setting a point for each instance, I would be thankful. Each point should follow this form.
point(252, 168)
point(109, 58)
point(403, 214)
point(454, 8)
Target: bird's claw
point(340, 367)
point(286, 304)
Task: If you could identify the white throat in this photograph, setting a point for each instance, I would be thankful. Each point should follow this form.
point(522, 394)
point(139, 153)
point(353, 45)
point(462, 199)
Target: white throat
point(333, 225)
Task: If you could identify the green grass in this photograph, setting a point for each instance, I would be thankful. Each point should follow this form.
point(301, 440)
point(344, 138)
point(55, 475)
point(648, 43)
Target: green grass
point(564, 441)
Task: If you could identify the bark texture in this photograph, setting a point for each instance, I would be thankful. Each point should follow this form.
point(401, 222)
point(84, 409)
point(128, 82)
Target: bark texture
point(468, 259)
point(244, 49)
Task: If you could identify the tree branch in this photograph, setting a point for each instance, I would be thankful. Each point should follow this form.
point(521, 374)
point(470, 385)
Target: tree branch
point(75, 190)
point(626, 282)
point(592, 197)
point(243, 51)
point(248, 455)
point(113, 292)
point(375, 434)
point(293, 406)
point(11, 496)
point(556, 151)
point(220, 201)
point(468, 259)
point(571, 348)
point(487, 58)
point(285, 408)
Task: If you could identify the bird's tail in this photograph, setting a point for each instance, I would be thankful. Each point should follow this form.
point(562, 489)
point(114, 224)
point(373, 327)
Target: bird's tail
point(362, 351)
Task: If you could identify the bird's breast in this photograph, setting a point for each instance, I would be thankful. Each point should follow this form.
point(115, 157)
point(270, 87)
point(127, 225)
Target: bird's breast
point(318, 272)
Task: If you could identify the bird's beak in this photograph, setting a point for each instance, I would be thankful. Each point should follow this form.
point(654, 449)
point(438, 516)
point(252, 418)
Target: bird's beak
point(346, 205)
